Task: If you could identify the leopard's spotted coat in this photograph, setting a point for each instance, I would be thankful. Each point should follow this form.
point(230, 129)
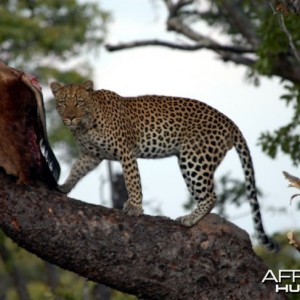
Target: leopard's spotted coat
point(108, 126)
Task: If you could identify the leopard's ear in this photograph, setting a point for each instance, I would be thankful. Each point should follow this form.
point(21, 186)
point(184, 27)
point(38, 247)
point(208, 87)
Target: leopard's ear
point(55, 86)
point(88, 85)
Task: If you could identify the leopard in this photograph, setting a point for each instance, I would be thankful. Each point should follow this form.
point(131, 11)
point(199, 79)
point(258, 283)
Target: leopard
point(107, 126)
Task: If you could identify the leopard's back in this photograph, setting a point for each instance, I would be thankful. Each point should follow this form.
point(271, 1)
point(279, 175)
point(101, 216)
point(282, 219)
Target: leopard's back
point(161, 124)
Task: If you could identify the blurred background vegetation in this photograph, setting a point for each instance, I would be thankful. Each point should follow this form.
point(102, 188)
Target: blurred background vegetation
point(56, 40)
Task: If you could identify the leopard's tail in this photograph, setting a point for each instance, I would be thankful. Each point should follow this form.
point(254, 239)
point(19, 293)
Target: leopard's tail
point(242, 149)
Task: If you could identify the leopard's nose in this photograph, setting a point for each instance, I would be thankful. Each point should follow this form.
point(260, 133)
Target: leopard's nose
point(67, 121)
point(71, 117)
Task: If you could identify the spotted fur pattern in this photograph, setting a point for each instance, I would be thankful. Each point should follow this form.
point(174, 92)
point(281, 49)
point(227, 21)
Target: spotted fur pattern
point(108, 126)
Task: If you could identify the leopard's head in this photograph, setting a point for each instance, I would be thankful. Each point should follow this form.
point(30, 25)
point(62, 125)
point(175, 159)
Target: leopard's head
point(72, 102)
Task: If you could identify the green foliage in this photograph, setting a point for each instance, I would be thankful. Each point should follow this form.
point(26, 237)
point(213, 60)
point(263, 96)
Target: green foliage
point(54, 40)
point(120, 296)
point(33, 272)
point(287, 258)
point(43, 34)
point(274, 42)
point(286, 138)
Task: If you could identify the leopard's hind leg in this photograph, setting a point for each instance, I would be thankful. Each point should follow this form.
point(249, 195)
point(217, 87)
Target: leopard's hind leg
point(198, 164)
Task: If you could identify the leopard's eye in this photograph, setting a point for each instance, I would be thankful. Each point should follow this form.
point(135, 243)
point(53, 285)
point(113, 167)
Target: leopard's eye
point(61, 104)
point(80, 102)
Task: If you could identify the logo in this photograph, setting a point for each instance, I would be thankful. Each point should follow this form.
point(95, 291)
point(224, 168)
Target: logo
point(287, 281)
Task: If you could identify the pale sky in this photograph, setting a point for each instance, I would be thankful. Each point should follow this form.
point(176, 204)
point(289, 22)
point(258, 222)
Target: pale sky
point(201, 76)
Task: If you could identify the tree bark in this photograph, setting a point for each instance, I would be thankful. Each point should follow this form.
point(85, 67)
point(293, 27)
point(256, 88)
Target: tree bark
point(151, 257)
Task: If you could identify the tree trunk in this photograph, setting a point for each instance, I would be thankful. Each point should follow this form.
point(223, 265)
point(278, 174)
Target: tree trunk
point(52, 277)
point(151, 257)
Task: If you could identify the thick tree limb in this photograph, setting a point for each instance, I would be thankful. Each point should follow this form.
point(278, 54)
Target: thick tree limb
point(150, 257)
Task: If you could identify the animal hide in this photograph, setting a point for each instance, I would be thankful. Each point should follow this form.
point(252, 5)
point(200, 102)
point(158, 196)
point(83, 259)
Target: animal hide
point(24, 148)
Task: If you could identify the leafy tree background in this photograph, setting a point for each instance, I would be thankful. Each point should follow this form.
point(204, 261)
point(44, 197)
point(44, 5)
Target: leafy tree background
point(53, 41)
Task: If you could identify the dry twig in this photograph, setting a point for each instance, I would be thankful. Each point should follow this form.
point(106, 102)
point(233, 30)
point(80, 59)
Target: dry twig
point(294, 182)
point(293, 241)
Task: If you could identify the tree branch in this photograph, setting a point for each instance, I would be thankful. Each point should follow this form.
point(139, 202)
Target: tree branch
point(174, 23)
point(240, 20)
point(150, 257)
point(199, 46)
point(284, 67)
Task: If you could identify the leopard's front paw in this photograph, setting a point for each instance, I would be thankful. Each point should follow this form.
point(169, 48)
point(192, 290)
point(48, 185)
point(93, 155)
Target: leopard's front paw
point(132, 210)
point(64, 188)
